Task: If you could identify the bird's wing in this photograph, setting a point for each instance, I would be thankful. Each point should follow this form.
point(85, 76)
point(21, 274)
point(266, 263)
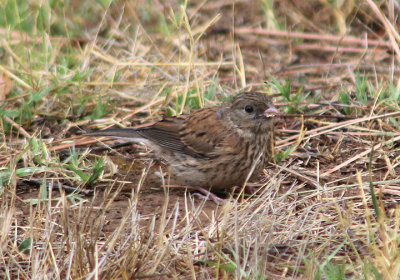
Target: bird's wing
point(187, 134)
point(166, 133)
point(204, 133)
point(199, 134)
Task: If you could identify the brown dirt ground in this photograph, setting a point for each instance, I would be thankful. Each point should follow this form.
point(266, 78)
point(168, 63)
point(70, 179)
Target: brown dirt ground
point(151, 199)
point(152, 196)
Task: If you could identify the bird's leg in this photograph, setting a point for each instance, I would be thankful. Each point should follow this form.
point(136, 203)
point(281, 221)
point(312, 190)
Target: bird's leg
point(206, 194)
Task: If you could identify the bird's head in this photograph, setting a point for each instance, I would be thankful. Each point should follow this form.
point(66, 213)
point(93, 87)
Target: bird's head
point(249, 112)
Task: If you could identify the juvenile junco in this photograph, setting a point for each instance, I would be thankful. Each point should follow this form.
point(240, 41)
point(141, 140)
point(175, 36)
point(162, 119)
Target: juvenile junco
point(212, 147)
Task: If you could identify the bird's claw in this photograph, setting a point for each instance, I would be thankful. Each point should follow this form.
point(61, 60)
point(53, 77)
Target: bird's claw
point(206, 194)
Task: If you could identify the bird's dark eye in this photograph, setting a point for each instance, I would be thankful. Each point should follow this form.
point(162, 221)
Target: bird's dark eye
point(249, 109)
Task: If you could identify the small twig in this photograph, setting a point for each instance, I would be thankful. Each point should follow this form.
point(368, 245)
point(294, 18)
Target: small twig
point(301, 177)
point(316, 116)
point(335, 126)
point(68, 189)
point(146, 106)
point(15, 78)
point(17, 126)
point(313, 36)
point(318, 47)
point(351, 133)
point(360, 155)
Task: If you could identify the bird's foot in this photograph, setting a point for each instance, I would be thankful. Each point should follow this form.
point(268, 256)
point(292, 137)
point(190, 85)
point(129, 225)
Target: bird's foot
point(206, 194)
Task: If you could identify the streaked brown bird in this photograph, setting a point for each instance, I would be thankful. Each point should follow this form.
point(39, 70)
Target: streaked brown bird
point(213, 147)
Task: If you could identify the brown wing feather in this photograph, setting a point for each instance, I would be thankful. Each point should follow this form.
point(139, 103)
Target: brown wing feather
point(175, 134)
point(165, 133)
point(204, 134)
point(199, 135)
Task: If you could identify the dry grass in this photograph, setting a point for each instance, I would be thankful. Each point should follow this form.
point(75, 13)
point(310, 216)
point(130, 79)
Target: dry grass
point(328, 209)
